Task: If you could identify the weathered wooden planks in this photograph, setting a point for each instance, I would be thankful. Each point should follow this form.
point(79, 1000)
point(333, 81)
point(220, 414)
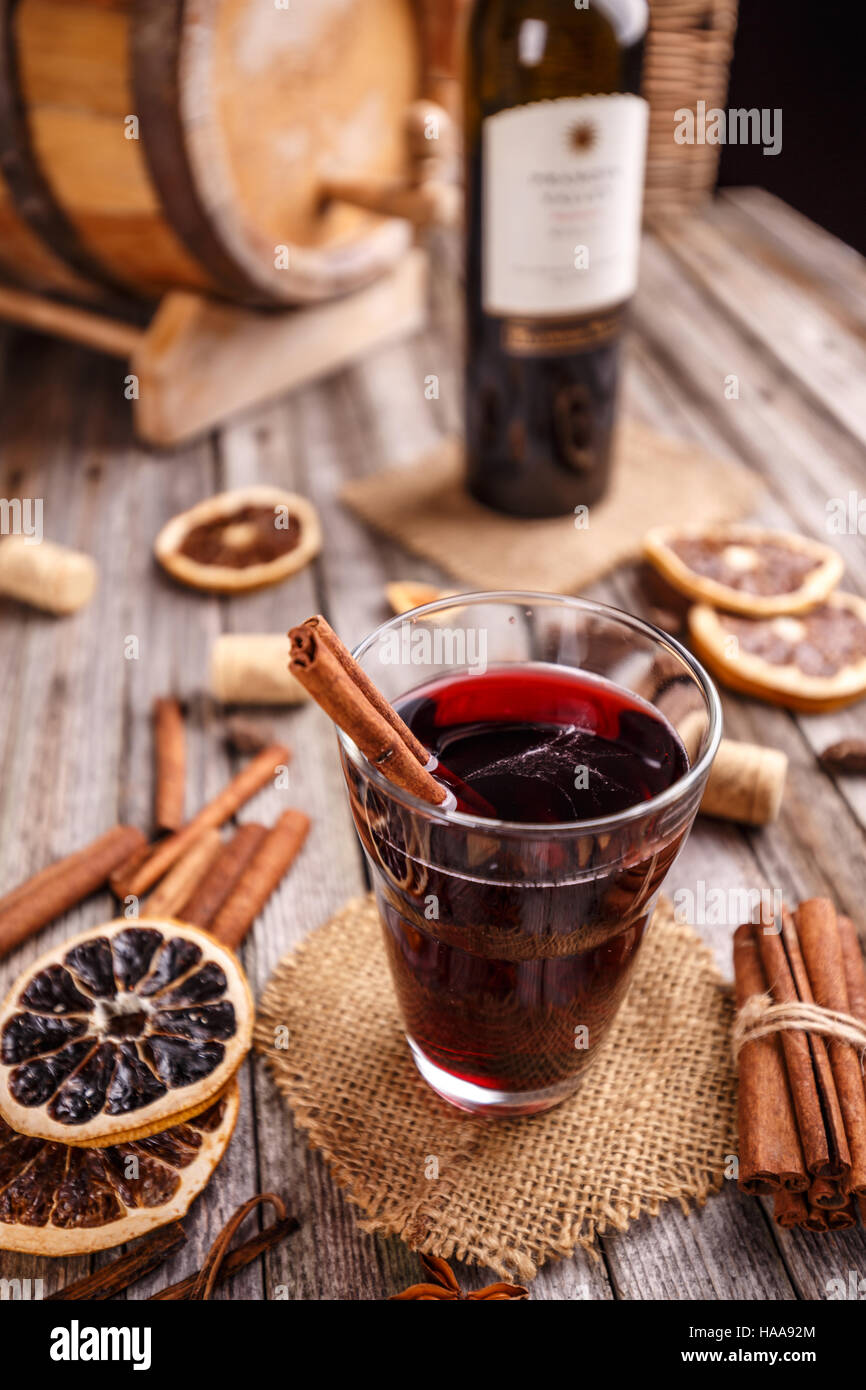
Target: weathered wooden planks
point(75, 749)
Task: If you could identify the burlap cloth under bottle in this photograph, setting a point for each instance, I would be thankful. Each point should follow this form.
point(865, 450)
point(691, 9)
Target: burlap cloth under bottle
point(653, 1120)
point(656, 481)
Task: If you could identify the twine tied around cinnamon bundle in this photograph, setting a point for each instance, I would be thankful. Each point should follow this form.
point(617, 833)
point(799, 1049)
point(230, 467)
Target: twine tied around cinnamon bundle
point(759, 1017)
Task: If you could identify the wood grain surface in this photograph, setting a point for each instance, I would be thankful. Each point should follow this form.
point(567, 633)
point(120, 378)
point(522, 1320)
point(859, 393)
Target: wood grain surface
point(749, 289)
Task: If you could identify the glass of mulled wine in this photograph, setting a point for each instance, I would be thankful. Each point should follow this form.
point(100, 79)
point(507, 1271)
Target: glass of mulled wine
point(576, 742)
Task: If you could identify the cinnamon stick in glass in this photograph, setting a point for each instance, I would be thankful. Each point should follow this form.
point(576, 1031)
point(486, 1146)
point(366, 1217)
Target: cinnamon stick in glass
point(248, 781)
point(268, 867)
point(819, 1118)
point(822, 953)
point(336, 682)
point(341, 687)
point(62, 885)
point(170, 745)
point(322, 633)
point(224, 874)
point(770, 1153)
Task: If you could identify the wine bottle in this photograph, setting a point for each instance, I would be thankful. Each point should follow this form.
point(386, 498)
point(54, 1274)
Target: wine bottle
point(555, 149)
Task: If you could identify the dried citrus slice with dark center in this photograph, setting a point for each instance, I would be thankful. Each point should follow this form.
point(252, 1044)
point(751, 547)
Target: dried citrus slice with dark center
point(121, 1032)
point(59, 1200)
point(240, 540)
point(813, 661)
point(745, 569)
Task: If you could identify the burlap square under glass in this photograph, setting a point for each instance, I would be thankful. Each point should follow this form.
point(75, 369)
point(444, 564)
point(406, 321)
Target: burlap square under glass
point(656, 481)
point(653, 1120)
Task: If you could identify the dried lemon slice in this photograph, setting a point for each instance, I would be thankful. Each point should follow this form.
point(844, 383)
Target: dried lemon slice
point(240, 540)
point(121, 1032)
point(745, 569)
point(811, 661)
point(60, 1200)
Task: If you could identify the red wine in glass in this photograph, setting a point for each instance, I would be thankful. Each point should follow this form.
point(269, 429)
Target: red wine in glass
point(511, 945)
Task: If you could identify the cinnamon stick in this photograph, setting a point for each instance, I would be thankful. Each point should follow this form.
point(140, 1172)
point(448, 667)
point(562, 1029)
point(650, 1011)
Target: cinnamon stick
point(855, 970)
point(819, 1119)
point(770, 1152)
point(38, 883)
point(325, 634)
point(121, 877)
point(208, 1275)
point(338, 685)
point(855, 979)
point(822, 953)
point(224, 874)
point(844, 1218)
point(126, 1270)
point(169, 896)
point(234, 1261)
point(269, 865)
point(817, 1220)
point(826, 1193)
point(790, 1209)
point(170, 741)
point(248, 781)
point(59, 887)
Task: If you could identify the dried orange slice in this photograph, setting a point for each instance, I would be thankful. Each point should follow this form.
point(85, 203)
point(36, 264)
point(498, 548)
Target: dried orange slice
point(59, 1200)
point(745, 569)
point(240, 540)
point(811, 661)
point(120, 1032)
point(405, 594)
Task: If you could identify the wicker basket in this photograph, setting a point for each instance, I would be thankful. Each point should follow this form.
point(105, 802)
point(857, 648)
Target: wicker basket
point(687, 60)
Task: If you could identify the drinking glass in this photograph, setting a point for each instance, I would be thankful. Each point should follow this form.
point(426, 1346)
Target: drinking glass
point(511, 945)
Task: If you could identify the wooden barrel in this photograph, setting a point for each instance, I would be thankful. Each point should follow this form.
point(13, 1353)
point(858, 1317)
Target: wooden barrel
point(163, 144)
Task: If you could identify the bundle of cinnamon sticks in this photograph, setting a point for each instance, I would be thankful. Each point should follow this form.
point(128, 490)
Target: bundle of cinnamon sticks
point(802, 1097)
point(190, 873)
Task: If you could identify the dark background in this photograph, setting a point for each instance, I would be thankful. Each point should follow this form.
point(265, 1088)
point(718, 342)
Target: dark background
point(805, 56)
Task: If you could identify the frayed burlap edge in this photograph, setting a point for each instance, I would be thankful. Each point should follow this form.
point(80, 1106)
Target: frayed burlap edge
point(502, 1195)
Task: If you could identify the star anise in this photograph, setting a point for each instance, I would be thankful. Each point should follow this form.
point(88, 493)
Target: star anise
point(447, 1290)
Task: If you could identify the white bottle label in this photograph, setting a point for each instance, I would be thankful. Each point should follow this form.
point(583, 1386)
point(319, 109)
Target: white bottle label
point(563, 192)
